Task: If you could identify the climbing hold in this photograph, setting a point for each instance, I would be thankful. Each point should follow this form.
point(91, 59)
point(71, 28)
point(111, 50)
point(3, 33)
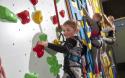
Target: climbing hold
point(54, 66)
point(54, 19)
point(39, 50)
point(34, 2)
point(57, 1)
point(62, 13)
point(37, 17)
point(24, 16)
point(43, 37)
point(31, 75)
point(56, 42)
point(6, 15)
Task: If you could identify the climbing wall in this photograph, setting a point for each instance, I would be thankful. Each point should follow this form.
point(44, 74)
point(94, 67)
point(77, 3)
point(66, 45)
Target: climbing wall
point(17, 39)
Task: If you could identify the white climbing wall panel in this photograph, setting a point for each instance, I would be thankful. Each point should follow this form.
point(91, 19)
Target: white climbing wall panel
point(17, 40)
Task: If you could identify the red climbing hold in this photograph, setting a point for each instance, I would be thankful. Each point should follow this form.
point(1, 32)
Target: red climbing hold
point(39, 49)
point(34, 2)
point(62, 13)
point(24, 16)
point(55, 19)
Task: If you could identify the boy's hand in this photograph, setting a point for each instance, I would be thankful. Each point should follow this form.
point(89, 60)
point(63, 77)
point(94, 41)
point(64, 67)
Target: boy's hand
point(44, 43)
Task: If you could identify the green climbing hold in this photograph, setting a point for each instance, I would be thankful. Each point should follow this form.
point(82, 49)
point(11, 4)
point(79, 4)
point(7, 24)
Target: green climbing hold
point(31, 75)
point(6, 15)
point(54, 66)
point(43, 37)
point(57, 1)
point(55, 69)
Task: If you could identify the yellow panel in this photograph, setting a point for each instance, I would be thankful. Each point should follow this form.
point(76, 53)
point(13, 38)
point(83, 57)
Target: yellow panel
point(74, 5)
point(96, 6)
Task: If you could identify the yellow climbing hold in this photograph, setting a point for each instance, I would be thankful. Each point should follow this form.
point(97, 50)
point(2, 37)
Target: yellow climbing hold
point(37, 17)
point(56, 42)
point(90, 75)
point(84, 42)
point(90, 46)
point(89, 34)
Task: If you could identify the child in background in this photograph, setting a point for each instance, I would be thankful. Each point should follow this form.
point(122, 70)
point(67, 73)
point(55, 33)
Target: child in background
point(72, 50)
point(2, 73)
point(109, 40)
point(111, 20)
point(95, 24)
point(109, 29)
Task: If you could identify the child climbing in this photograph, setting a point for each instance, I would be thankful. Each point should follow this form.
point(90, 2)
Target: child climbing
point(71, 48)
point(96, 40)
point(2, 72)
point(109, 29)
point(96, 28)
point(109, 39)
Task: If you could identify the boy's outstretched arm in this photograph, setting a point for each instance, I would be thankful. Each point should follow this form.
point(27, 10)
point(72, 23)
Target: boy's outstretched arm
point(69, 44)
point(58, 48)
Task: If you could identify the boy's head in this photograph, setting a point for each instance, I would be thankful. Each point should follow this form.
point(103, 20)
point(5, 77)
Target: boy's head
point(97, 17)
point(70, 28)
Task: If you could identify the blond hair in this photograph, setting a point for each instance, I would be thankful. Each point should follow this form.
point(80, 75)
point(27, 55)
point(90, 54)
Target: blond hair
point(72, 24)
point(111, 18)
